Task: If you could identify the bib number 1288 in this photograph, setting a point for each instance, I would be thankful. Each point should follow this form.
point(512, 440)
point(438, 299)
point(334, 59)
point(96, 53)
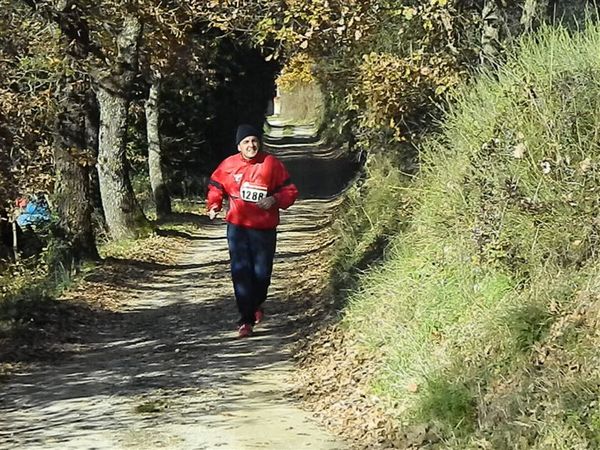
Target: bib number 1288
point(252, 193)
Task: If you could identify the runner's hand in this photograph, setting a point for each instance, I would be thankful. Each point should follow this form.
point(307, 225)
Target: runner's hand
point(212, 213)
point(267, 202)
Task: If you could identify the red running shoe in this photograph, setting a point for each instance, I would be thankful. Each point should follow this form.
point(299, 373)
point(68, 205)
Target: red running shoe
point(259, 315)
point(245, 330)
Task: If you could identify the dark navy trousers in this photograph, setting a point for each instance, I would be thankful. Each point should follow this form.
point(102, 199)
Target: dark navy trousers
point(251, 252)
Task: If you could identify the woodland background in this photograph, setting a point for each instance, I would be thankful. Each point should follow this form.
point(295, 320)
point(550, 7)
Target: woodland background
point(114, 109)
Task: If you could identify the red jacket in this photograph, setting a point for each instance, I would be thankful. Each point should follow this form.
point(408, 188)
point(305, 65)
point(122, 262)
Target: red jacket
point(247, 181)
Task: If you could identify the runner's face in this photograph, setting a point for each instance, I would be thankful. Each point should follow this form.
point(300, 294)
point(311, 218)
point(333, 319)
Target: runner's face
point(249, 147)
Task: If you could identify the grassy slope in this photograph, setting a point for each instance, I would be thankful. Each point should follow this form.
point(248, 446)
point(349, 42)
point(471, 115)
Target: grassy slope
point(487, 307)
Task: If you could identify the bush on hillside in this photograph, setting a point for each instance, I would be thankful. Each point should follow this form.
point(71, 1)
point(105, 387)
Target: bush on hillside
point(487, 307)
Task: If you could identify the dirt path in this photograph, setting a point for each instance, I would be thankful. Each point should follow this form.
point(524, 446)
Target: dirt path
point(168, 370)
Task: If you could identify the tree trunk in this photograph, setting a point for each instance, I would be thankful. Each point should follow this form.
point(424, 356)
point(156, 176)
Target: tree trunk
point(8, 185)
point(162, 199)
point(534, 12)
point(92, 130)
point(124, 216)
point(490, 33)
point(72, 162)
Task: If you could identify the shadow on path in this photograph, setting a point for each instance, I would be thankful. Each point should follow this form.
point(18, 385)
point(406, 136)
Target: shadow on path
point(172, 351)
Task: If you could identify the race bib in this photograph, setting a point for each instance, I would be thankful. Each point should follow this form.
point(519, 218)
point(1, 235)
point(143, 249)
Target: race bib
point(252, 192)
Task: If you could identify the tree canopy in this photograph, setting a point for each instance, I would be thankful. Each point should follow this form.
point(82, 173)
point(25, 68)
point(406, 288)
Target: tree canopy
point(386, 66)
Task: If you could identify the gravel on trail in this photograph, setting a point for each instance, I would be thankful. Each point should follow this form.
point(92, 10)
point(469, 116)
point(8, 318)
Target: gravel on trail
point(166, 369)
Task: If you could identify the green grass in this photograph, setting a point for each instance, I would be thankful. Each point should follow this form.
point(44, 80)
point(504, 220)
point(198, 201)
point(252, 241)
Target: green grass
point(119, 249)
point(488, 297)
point(29, 309)
point(373, 211)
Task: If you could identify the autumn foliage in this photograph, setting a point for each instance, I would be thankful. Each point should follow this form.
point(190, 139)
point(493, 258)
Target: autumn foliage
point(495, 242)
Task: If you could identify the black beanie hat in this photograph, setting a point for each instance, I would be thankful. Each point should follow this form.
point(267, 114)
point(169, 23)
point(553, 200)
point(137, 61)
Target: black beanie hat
point(245, 130)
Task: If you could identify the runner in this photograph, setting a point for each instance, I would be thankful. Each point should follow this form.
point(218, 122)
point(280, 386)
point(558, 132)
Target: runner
point(257, 185)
